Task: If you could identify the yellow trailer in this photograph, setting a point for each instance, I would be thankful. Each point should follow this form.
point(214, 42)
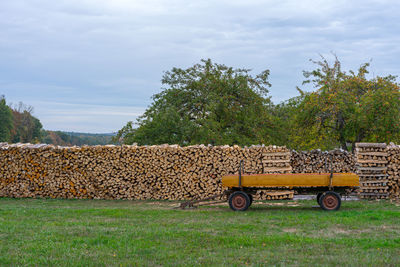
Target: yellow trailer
point(327, 187)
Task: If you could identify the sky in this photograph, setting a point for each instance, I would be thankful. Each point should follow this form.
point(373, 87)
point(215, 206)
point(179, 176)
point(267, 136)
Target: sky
point(93, 65)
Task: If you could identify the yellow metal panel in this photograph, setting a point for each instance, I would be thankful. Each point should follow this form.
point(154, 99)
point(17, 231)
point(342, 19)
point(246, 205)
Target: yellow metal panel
point(292, 180)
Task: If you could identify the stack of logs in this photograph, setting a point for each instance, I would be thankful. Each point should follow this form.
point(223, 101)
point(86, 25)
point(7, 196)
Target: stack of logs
point(174, 172)
point(277, 160)
point(394, 170)
point(123, 172)
point(372, 161)
point(317, 161)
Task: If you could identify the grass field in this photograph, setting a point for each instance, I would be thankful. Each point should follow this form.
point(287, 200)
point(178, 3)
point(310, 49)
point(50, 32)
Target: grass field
point(148, 233)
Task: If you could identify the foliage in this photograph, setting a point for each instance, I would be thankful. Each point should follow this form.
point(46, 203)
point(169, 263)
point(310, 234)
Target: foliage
point(211, 103)
point(5, 121)
point(283, 124)
point(18, 124)
point(207, 103)
point(126, 134)
point(347, 108)
point(26, 127)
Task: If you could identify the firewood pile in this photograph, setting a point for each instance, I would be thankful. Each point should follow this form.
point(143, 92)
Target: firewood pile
point(372, 161)
point(276, 160)
point(124, 172)
point(317, 161)
point(275, 195)
point(174, 172)
point(393, 170)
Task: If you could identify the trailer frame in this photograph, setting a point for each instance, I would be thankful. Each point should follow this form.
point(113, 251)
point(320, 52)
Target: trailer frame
point(240, 197)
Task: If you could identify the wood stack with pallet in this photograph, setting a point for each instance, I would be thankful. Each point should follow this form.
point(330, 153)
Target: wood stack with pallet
point(372, 160)
point(394, 170)
point(276, 159)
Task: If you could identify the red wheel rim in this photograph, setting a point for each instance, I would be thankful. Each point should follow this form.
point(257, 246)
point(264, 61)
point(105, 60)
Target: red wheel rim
point(239, 202)
point(330, 202)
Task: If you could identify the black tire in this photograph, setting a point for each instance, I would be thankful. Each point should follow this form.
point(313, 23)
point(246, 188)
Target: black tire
point(330, 201)
point(319, 198)
point(239, 201)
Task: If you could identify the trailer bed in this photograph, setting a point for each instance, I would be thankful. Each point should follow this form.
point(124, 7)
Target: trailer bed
point(292, 180)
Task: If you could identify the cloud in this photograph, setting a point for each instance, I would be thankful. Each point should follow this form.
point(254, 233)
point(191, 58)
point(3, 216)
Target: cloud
point(114, 52)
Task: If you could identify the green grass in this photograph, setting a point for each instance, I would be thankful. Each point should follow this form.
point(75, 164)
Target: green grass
point(148, 233)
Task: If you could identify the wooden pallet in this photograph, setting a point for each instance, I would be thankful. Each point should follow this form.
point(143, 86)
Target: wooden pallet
point(372, 161)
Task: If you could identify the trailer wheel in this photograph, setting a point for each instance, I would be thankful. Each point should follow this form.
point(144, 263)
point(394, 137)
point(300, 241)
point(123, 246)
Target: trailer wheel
point(239, 201)
point(330, 201)
point(251, 199)
point(319, 198)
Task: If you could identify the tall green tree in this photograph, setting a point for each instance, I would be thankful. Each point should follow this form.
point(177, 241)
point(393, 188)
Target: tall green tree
point(284, 122)
point(347, 108)
point(207, 103)
point(5, 121)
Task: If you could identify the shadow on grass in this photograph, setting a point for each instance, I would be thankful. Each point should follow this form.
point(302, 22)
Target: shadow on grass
point(280, 208)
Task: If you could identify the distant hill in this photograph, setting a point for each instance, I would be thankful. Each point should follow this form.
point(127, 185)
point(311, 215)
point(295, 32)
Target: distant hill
point(76, 139)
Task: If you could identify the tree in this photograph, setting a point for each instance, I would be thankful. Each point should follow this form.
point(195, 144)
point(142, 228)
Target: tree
point(349, 108)
point(26, 127)
point(207, 103)
point(284, 121)
point(5, 121)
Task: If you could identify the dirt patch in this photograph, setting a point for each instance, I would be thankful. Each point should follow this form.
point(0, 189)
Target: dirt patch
point(343, 231)
point(290, 230)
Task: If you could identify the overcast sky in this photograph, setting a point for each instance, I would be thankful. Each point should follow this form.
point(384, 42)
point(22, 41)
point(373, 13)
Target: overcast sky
point(93, 65)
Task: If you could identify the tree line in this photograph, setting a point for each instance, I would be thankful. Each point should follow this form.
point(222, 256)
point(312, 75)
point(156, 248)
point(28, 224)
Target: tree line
point(212, 103)
point(18, 125)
